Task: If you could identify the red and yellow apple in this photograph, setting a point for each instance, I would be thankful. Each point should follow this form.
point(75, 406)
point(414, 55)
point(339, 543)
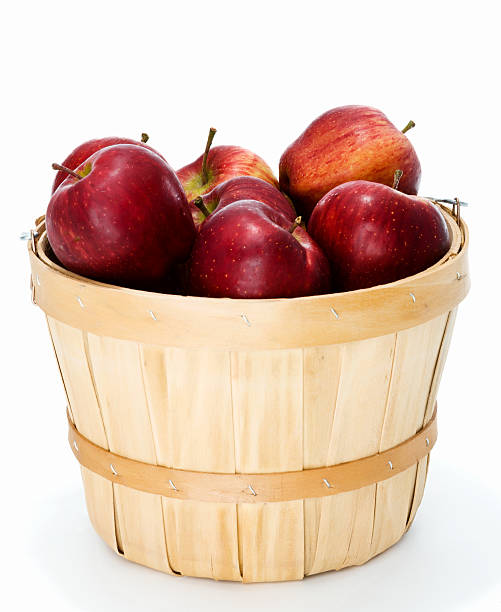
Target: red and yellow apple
point(218, 164)
point(346, 144)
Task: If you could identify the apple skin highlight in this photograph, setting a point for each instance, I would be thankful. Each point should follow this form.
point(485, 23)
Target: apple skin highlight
point(126, 222)
point(373, 234)
point(345, 144)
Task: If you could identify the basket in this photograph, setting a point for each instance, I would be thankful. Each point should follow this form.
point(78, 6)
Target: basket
point(252, 440)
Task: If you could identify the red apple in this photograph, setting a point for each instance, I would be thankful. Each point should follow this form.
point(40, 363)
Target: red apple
point(346, 144)
point(121, 217)
point(373, 234)
point(250, 250)
point(85, 150)
point(219, 164)
point(240, 188)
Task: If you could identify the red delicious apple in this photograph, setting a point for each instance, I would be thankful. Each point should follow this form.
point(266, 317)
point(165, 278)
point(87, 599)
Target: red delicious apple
point(85, 150)
point(250, 250)
point(373, 234)
point(346, 144)
point(219, 164)
point(121, 217)
point(240, 188)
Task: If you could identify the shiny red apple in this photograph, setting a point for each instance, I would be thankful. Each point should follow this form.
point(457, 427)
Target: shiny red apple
point(373, 234)
point(121, 217)
point(250, 250)
point(345, 144)
point(218, 164)
point(86, 149)
point(240, 188)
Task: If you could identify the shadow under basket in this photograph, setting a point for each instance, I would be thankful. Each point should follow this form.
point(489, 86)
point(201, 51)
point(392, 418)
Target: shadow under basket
point(252, 440)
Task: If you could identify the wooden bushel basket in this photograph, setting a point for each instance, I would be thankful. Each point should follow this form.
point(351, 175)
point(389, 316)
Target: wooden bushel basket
point(252, 440)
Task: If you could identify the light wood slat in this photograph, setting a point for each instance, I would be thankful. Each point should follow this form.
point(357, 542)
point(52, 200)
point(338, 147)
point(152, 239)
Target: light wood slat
point(322, 373)
point(439, 368)
point(267, 394)
point(78, 381)
point(358, 551)
point(437, 375)
point(352, 413)
point(119, 383)
point(189, 394)
point(202, 538)
point(271, 539)
point(417, 497)
point(69, 344)
point(100, 507)
point(415, 358)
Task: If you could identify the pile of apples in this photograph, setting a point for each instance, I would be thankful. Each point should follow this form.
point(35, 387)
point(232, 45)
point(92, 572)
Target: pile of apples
point(343, 216)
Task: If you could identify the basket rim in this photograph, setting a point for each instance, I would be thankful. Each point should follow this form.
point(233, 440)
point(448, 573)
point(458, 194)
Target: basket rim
point(166, 311)
point(458, 243)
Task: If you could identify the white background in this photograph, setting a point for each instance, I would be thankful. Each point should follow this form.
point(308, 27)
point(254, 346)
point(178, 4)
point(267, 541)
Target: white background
point(259, 72)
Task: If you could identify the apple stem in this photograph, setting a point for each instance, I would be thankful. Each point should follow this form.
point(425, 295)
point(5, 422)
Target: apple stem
point(205, 173)
point(409, 126)
point(297, 223)
point(67, 170)
point(199, 203)
point(396, 178)
point(144, 137)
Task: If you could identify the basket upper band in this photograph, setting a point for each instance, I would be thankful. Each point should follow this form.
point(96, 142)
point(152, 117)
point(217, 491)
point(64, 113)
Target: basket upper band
point(253, 488)
point(238, 324)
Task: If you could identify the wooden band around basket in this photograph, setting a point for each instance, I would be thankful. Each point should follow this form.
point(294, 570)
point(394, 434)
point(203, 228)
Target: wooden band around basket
point(237, 324)
point(253, 488)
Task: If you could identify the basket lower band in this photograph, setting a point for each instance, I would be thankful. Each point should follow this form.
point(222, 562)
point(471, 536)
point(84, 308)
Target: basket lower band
point(253, 488)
